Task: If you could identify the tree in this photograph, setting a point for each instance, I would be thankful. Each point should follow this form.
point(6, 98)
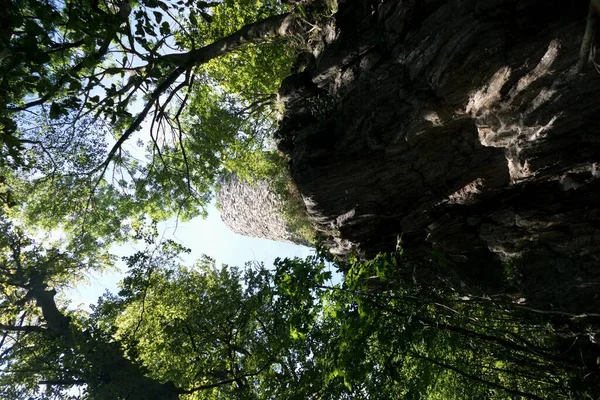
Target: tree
point(209, 327)
point(44, 345)
point(76, 73)
point(205, 332)
point(210, 332)
point(402, 339)
point(81, 78)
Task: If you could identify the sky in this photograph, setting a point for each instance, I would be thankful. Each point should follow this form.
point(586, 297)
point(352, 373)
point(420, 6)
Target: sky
point(208, 236)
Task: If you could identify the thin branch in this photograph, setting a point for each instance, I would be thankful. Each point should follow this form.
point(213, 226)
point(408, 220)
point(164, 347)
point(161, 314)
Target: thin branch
point(524, 374)
point(63, 382)
point(512, 304)
point(226, 381)
point(23, 328)
point(182, 28)
point(474, 334)
point(171, 78)
point(174, 92)
point(180, 131)
point(56, 47)
point(59, 84)
point(155, 145)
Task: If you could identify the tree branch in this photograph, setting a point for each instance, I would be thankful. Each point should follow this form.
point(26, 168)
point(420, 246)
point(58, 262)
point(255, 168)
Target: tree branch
point(63, 382)
point(59, 84)
point(124, 376)
point(268, 28)
point(225, 381)
point(588, 37)
point(163, 87)
point(65, 46)
point(23, 328)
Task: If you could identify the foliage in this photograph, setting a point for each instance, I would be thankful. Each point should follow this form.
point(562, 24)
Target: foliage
point(259, 69)
point(229, 118)
point(400, 340)
point(29, 351)
point(296, 217)
point(292, 207)
point(81, 78)
point(211, 332)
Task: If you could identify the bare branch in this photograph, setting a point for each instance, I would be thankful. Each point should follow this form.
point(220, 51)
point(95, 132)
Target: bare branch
point(163, 87)
point(180, 130)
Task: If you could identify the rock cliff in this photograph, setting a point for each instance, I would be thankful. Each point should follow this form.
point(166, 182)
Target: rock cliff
point(255, 210)
point(456, 126)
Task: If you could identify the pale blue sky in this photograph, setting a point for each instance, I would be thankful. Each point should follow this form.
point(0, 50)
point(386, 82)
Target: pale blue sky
point(207, 236)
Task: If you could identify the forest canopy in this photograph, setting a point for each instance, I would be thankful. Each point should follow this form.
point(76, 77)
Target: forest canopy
point(127, 111)
point(210, 332)
point(117, 114)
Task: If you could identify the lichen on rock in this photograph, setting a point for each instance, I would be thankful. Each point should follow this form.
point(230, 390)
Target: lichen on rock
point(255, 209)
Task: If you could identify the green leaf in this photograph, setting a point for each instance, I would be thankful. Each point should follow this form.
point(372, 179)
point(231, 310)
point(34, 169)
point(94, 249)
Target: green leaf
point(193, 19)
point(55, 111)
point(74, 85)
point(206, 16)
point(165, 29)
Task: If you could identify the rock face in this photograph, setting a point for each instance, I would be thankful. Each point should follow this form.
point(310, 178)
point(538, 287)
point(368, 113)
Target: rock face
point(254, 210)
point(460, 126)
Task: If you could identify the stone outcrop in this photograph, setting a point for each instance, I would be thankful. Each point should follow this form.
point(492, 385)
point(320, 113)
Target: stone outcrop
point(253, 209)
point(460, 126)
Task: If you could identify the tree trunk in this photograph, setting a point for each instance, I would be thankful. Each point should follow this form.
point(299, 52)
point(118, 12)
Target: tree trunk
point(105, 370)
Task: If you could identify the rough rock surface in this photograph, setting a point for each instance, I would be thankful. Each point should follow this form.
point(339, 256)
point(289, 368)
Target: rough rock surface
point(252, 209)
point(460, 126)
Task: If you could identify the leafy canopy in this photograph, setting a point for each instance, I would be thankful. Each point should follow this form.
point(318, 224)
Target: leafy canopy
point(219, 332)
point(81, 78)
